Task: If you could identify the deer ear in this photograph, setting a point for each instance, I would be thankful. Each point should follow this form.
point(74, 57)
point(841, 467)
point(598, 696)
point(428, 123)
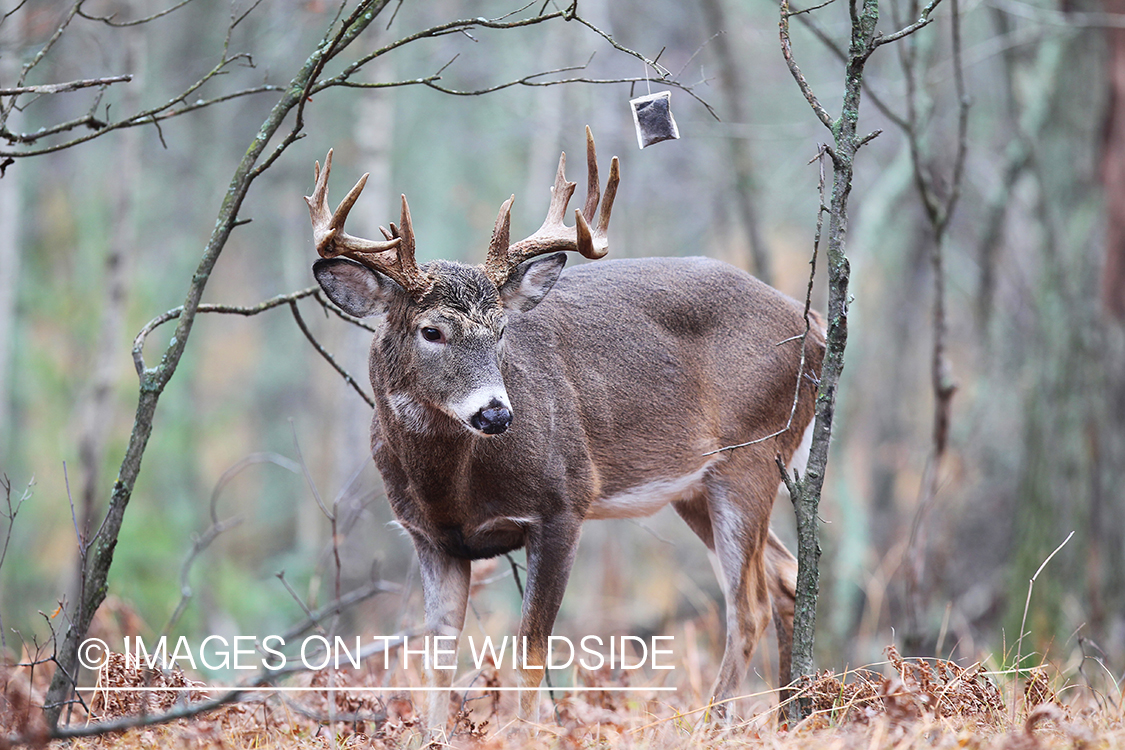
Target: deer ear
point(530, 282)
point(356, 289)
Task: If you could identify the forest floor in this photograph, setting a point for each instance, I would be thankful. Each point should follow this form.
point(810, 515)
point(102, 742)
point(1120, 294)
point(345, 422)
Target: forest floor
point(900, 704)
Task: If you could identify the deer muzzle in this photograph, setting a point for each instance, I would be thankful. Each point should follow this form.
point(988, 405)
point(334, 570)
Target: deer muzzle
point(493, 419)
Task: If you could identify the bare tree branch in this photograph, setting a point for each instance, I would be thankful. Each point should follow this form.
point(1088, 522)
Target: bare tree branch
point(150, 116)
point(10, 513)
point(59, 88)
point(168, 109)
point(1084, 19)
point(818, 31)
point(42, 53)
point(176, 312)
point(328, 357)
point(922, 22)
point(201, 542)
point(335, 607)
point(98, 729)
point(804, 335)
point(464, 25)
point(795, 70)
point(939, 211)
point(108, 20)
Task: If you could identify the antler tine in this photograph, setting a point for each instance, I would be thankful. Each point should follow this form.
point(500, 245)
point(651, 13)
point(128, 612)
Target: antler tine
point(417, 282)
point(498, 246)
point(554, 235)
point(608, 197)
point(593, 188)
point(328, 226)
point(393, 257)
point(561, 193)
point(595, 244)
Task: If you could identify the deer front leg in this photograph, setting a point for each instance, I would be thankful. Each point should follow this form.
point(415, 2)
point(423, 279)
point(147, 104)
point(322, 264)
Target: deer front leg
point(550, 555)
point(445, 588)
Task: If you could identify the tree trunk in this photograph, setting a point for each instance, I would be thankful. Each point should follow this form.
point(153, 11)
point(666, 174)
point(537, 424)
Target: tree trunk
point(10, 215)
point(96, 409)
point(1113, 168)
point(741, 161)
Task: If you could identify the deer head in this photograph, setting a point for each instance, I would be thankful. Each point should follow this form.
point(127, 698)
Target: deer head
point(442, 325)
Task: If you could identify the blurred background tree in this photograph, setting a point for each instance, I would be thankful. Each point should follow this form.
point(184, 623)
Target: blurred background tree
point(98, 239)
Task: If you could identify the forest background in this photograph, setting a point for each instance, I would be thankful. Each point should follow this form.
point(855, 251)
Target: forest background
point(98, 239)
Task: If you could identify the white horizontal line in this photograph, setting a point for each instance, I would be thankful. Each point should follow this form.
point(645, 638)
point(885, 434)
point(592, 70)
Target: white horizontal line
point(482, 689)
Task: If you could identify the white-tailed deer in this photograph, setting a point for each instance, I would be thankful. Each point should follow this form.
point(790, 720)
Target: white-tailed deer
point(514, 401)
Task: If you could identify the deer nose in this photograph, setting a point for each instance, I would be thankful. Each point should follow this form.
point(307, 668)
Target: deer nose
point(492, 419)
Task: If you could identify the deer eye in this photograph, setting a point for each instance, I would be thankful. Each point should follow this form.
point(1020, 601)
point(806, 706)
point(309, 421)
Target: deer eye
point(433, 335)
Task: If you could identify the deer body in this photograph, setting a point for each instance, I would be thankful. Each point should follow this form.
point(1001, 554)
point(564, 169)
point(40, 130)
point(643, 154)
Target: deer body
point(512, 406)
point(619, 384)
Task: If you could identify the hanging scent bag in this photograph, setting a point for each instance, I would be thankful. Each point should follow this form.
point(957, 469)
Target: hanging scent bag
point(652, 116)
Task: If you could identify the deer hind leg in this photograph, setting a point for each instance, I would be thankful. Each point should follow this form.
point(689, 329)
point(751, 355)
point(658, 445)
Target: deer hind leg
point(781, 568)
point(740, 527)
point(781, 574)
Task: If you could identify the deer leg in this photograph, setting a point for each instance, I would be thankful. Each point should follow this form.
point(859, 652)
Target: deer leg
point(696, 515)
point(445, 588)
point(739, 537)
point(781, 572)
point(781, 567)
point(549, 559)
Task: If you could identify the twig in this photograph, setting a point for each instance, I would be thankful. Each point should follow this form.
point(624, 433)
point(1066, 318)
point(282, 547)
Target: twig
point(140, 720)
point(202, 541)
point(172, 108)
point(819, 32)
point(795, 70)
point(1100, 659)
point(108, 20)
point(174, 313)
point(463, 25)
point(921, 23)
point(308, 475)
point(338, 605)
point(330, 307)
point(280, 575)
point(59, 88)
point(1027, 602)
point(825, 4)
point(1080, 19)
point(803, 336)
point(327, 356)
point(351, 717)
point(10, 513)
point(38, 57)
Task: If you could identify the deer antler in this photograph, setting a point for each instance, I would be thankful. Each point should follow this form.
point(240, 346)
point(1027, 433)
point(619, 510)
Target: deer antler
point(393, 258)
point(554, 235)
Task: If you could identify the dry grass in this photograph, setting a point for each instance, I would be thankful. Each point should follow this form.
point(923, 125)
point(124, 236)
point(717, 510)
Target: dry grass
point(907, 703)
